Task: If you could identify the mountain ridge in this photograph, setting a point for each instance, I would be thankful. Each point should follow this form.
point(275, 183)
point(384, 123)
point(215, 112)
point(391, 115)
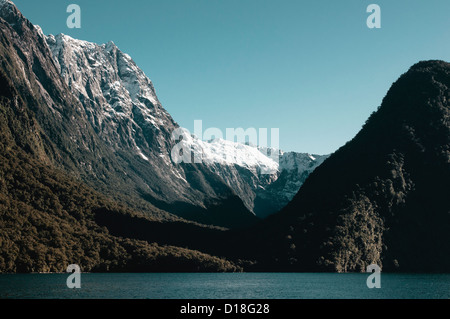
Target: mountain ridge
point(41, 79)
point(386, 192)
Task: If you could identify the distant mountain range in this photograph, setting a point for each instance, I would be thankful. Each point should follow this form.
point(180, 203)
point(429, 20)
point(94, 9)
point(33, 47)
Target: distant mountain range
point(86, 175)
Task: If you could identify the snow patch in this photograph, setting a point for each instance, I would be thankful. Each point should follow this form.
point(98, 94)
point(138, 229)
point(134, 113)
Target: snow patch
point(39, 31)
point(141, 154)
point(228, 153)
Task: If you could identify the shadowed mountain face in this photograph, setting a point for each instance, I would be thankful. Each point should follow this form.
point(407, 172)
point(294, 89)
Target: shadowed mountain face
point(383, 197)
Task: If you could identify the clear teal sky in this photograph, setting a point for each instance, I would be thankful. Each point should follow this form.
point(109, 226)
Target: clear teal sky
point(311, 68)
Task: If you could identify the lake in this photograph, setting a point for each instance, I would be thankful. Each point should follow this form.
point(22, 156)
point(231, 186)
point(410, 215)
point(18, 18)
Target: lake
point(225, 286)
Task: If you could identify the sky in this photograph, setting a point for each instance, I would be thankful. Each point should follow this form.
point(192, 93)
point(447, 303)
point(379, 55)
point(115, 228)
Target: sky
point(311, 68)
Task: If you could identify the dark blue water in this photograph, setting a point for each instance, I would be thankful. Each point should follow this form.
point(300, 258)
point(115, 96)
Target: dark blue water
point(226, 286)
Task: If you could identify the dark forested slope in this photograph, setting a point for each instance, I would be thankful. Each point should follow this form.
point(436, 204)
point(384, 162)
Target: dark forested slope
point(381, 198)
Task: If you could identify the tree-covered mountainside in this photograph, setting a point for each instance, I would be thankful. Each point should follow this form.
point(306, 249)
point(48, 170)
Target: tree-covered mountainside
point(383, 197)
point(48, 219)
point(47, 213)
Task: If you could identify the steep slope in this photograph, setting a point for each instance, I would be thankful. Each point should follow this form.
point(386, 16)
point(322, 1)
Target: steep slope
point(48, 217)
point(66, 140)
point(104, 151)
point(121, 104)
point(383, 197)
point(293, 170)
point(122, 107)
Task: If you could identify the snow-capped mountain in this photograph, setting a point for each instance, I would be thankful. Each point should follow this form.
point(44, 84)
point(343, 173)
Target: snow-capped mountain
point(265, 185)
point(103, 123)
point(119, 99)
point(121, 104)
point(104, 127)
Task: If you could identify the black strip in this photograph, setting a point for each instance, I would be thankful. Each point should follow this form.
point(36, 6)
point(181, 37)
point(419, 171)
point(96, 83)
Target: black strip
point(237, 308)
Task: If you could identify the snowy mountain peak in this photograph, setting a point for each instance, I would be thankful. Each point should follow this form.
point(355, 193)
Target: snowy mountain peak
point(121, 103)
point(231, 153)
point(39, 31)
point(112, 88)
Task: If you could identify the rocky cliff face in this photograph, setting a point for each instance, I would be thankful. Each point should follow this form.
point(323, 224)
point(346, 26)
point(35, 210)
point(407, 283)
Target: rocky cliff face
point(26, 61)
point(118, 98)
point(112, 135)
point(122, 106)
